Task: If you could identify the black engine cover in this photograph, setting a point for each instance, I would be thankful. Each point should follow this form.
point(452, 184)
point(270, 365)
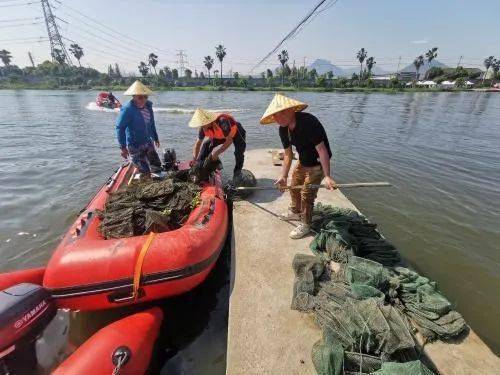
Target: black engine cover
point(25, 310)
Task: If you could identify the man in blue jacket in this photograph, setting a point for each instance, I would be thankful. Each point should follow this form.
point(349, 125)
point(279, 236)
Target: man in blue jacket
point(136, 131)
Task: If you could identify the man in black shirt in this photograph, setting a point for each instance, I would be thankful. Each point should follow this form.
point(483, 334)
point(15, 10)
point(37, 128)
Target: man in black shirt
point(305, 132)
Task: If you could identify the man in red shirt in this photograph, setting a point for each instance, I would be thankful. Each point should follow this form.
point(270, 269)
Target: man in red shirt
point(220, 130)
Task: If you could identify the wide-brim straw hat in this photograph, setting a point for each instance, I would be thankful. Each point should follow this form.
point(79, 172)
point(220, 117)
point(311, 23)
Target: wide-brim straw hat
point(280, 103)
point(138, 88)
point(202, 117)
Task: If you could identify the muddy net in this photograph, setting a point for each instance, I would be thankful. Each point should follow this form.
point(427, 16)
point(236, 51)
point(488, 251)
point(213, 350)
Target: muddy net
point(146, 206)
point(367, 304)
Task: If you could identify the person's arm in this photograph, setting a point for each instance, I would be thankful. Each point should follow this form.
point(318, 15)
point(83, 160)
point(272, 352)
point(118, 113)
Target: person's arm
point(287, 158)
point(221, 149)
point(121, 125)
point(324, 159)
point(153, 130)
point(285, 168)
point(196, 148)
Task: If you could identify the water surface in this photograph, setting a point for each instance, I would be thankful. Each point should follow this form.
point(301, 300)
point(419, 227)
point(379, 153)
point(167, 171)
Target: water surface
point(440, 150)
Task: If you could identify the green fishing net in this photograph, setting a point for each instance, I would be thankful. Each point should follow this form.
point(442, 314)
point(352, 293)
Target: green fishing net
point(148, 206)
point(367, 305)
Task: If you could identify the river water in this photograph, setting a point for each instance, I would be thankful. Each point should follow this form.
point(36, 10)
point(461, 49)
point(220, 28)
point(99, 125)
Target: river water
point(440, 150)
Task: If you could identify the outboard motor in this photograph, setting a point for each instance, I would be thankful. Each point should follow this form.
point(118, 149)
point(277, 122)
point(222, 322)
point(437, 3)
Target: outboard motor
point(169, 160)
point(25, 311)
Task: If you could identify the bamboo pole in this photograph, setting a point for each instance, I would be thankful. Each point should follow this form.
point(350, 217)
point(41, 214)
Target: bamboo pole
point(349, 185)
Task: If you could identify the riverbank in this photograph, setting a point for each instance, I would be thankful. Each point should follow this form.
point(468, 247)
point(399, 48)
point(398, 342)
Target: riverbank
point(114, 88)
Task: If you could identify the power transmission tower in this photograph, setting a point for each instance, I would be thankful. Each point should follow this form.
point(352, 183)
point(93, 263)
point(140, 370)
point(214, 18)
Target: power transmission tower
point(55, 39)
point(182, 61)
point(459, 61)
point(31, 59)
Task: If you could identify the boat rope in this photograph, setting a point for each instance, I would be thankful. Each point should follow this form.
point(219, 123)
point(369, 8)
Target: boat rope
point(139, 263)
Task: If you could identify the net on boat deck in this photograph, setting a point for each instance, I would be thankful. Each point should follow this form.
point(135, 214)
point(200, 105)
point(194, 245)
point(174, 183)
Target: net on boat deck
point(148, 206)
point(367, 305)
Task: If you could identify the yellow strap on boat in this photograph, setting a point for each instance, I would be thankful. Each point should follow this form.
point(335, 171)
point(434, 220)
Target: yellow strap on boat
point(139, 263)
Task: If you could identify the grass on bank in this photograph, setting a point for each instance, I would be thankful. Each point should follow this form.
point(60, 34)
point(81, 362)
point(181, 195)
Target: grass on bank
point(118, 88)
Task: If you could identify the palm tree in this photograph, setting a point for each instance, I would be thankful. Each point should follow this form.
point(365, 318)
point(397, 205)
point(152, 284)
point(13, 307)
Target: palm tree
point(143, 68)
point(208, 61)
point(488, 62)
point(77, 51)
point(419, 61)
point(6, 57)
point(361, 56)
point(370, 63)
point(431, 55)
point(496, 67)
point(220, 52)
point(153, 61)
point(283, 58)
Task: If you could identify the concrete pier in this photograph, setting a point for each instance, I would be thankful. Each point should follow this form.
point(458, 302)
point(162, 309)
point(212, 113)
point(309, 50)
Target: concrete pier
point(264, 335)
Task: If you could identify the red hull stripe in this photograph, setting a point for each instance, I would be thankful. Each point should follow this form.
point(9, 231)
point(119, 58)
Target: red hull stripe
point(149, 279)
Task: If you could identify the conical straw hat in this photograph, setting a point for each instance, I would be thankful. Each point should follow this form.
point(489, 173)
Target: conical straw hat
point(202, 117)
point(279, 103)
point(138, 88)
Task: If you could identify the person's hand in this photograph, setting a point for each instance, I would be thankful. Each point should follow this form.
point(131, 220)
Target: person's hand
point(157, 144)
point(124, 153)
point(191, 162)
point(281, 183)
point(214, 156)
point(329, 183)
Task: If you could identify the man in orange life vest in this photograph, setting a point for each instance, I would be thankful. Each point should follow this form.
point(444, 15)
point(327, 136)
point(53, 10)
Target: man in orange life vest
point(221, 130)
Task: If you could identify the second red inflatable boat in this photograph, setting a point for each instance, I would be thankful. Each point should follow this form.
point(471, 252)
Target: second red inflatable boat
point(88, 272)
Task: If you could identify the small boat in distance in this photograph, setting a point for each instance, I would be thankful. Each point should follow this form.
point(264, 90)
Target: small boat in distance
point(107, 100)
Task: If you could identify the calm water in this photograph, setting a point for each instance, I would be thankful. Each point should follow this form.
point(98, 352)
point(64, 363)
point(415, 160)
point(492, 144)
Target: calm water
point(440, 150)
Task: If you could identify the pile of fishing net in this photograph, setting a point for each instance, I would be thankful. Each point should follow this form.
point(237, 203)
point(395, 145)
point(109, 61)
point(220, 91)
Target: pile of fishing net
point(154, 205)
point(368, 306)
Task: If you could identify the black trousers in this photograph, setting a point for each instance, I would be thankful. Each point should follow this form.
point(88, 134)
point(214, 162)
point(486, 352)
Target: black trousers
point(240, 145)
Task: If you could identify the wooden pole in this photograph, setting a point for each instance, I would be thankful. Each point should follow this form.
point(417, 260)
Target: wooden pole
point(350, 185)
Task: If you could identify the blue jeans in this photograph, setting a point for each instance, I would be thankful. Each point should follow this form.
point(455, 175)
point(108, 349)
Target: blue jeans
point(145, 158)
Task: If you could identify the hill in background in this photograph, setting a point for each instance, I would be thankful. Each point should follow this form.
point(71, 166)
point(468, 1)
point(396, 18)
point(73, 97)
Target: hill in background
point(323, 66)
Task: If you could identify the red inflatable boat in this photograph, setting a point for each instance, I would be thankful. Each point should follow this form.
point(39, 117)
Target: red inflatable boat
point(127, 344)
point(104, 100)
point(31, 275)
point(88, 272)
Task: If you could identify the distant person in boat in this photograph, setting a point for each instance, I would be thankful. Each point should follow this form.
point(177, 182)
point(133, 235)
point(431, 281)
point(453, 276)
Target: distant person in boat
point(136, 131)
point(113, 101)
point(218, 130)
point(305, 132)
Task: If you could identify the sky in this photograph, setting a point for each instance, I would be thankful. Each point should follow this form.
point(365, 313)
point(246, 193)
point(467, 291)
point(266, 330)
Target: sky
point(387, 29)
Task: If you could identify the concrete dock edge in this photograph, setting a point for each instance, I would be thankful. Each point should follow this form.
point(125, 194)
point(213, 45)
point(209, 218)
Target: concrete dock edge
point(264, 335)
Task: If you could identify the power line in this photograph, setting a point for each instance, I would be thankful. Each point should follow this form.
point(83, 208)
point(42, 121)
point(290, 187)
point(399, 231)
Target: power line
point(20, 25)
point(291, 33)
point(120, 40)
point(129, 38)
point(101, 52)
point(21, 19)
point(17, 5)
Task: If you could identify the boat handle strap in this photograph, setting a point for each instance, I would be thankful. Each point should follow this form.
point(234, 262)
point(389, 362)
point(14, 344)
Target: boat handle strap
point(138, 265)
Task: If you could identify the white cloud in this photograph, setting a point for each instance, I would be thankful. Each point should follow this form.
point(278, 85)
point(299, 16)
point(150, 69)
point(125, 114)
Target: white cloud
point(420, 41)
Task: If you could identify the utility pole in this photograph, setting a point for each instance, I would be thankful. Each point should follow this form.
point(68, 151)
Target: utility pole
point(182, 61)
point(55, 39)
point(304, 67)
point(31, 59)
point(399, 63)
point(459, 61)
